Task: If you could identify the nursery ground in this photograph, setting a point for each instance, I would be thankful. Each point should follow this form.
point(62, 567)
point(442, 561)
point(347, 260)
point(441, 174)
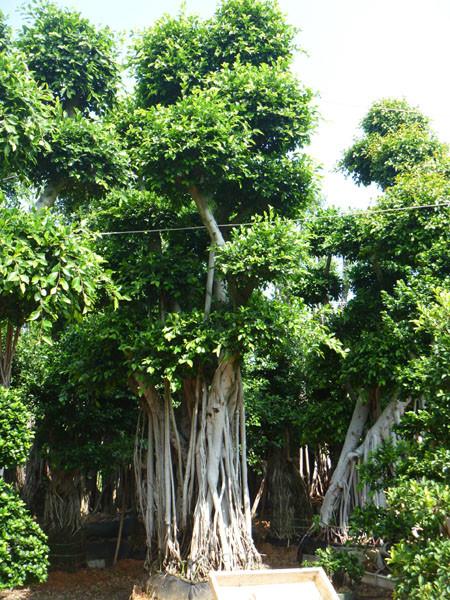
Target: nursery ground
point(117, 583)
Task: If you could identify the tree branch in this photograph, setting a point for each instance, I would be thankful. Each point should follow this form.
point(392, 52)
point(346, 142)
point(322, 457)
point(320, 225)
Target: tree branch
point(207, 216)
point(209, 282)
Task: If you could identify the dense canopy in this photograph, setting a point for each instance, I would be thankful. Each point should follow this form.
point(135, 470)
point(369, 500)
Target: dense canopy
point(168, 276)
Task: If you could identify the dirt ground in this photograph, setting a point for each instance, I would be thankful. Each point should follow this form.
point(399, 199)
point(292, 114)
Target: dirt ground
point(117, 583)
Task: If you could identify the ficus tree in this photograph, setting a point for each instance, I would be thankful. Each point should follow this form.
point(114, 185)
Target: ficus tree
point(214, 141)
point(84, 422)
point(413, 469)
point(396, 258)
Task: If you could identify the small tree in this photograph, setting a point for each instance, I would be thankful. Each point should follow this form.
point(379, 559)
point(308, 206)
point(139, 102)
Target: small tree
point(84, 422)
point(23, 549)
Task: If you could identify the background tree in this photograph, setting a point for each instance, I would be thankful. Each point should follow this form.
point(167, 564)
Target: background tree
point(77, 63)
point(396, 138)
point(280, 400)
point(84, 421)
point(49, 272)
point(414, 471)
point(391, 274)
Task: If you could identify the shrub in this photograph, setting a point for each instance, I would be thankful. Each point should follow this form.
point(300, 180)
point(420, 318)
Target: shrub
point(23, 549)
point(15, 434)
point(340, 566)
point(422, 570)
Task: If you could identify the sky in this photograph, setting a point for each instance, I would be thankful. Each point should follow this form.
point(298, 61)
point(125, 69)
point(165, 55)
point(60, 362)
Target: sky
point(357, 51)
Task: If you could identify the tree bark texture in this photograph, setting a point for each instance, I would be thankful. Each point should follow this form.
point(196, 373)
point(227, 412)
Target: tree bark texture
point(49, 194)
point(192, 477)
point(344, 493)
point(9, 336)
point(286, 503)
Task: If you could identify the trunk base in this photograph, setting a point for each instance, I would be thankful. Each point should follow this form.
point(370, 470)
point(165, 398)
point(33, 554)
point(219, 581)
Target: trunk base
point(169, 587)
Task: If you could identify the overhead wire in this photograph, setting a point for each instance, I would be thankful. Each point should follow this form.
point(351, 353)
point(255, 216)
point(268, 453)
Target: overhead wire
point(295, 221)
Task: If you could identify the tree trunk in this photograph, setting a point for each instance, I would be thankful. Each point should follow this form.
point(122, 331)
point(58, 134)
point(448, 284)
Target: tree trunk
point(343, 493)
point(49, 194)
point(9, 336)
point(194, 497)
point(63, 501)
point(287, 505)
point(341, 473)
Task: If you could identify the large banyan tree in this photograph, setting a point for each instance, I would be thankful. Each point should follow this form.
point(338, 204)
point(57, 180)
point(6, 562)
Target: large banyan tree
point(215, 133)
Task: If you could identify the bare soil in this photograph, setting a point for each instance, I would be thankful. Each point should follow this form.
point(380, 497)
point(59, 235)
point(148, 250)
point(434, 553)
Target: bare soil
point(114, 583)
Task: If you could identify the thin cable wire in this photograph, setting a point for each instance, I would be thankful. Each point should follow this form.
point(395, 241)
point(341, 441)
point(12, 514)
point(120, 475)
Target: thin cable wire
point(368, 107)
point(298, 222)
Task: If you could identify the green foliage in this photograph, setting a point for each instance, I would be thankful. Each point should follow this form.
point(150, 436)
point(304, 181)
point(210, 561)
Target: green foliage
point(422, 570)
point(416, 511)
point(186, 342)
point(273, 102)
point(250, 31)
point(85, 414)
point(152, 267)
point(224, 135)
point(24, 116)
point(85, 157)
point(277, 372)
point(23, 549)
point(388, 115)
point(48, 270)
point(176, 54)
point(76, 60)
point(270, 250)
point(339, 565)
point(200, 139)
point(415, 521)
point(5, 33)
point(15, 432)
point(168, 58)
point(393, 262)
point(396, 138)
point(231, 123)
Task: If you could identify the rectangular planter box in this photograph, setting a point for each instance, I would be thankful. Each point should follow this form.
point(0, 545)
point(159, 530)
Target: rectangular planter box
point(381, 581)
point(282, 584)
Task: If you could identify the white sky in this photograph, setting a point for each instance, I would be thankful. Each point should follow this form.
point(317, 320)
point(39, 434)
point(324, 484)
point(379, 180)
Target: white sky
point(358, 51)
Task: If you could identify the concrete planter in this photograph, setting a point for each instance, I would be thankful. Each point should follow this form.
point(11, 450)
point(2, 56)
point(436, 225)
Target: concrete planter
point(346, 595)
point(380, 581)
